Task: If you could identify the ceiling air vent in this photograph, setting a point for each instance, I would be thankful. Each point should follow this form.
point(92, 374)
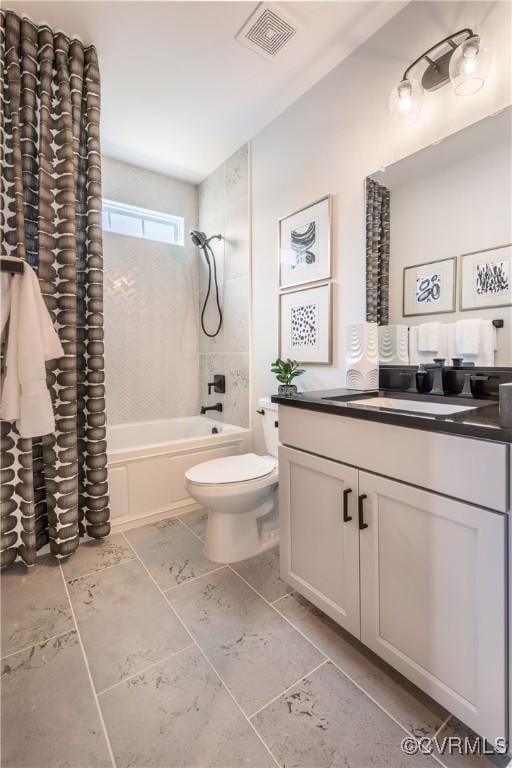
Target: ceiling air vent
point(267, 30)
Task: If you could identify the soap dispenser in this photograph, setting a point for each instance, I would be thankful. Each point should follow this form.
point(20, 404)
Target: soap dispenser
point(424, 379)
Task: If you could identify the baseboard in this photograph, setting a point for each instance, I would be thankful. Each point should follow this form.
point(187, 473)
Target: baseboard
point(135, 521)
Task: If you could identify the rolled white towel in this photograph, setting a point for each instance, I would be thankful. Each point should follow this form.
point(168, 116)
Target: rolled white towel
point(467, 336)
point(428, 337)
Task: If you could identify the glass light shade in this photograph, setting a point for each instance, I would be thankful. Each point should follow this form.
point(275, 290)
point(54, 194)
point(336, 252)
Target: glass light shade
point(469, 66)
point(405, 101)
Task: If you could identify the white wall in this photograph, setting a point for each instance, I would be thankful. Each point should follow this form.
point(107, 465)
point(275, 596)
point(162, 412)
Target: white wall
point(338, 133)
point(151, 296)
point(463, 207)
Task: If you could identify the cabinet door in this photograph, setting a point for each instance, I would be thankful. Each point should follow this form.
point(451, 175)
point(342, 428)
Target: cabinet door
point(319, 533)
point(433, 597)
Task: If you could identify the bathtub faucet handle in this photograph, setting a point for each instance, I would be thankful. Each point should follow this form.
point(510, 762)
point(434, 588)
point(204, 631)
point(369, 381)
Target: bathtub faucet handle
point(218, 384)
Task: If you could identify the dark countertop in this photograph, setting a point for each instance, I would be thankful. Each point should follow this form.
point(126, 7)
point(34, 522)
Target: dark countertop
point(481, 422)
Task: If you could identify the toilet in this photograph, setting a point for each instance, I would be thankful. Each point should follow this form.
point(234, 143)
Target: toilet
point(238, 491)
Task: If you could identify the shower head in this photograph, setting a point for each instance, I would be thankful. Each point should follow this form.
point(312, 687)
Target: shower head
point(200, 239)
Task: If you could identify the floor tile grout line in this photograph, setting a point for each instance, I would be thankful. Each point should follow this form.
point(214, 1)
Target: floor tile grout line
point(39, 642)
point(178, 517)
point(146, 669)
point(194, 578)
point(299, 680)
point(443, 725)
point(288, 594)
point(203, 654)
point(91, 681)
point(98, 570)
point(381, 707)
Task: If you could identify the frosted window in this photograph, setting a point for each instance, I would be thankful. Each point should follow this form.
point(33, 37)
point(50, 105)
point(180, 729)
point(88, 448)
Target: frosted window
point(140, 222)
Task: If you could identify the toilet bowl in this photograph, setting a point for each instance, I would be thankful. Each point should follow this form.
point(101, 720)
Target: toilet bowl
point(238, 491)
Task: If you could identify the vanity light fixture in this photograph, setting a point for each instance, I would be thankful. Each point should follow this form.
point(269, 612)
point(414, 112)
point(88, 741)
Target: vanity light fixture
point(460, 58)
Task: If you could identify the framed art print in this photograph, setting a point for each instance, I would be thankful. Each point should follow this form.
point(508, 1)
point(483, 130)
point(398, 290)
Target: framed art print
point(429, 289)
point(305, 322)
point(486, 278)
point(305, 245)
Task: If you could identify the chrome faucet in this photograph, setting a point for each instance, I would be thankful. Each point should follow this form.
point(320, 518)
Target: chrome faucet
point(216, 407)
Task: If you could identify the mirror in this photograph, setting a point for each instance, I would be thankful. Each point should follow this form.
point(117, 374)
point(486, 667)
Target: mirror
point(439, 249)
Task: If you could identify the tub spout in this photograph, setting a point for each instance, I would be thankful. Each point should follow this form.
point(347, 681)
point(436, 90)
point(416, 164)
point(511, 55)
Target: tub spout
point(216, 407)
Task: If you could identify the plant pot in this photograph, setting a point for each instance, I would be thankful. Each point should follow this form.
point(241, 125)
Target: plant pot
point(287, 389)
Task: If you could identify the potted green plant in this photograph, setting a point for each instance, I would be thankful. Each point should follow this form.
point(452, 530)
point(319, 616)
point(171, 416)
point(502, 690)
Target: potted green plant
point(286, 371)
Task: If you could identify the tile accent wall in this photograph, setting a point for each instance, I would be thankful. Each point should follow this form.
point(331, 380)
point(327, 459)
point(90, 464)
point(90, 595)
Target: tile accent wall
point(151, 295)
point(224, 209)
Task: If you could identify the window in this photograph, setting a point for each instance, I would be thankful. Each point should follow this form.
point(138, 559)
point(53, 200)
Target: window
point(140, 222)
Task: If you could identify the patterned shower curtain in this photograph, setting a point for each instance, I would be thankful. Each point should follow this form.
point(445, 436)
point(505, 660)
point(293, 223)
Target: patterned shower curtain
point(54, 488)
point(377, 252)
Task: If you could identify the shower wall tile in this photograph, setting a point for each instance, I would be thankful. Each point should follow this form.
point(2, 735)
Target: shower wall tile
point(237, 175)
point(224, 207)
point(236, 313)
point(236, 404)
point(237, 250)
point(212, 195)
point(151, 297)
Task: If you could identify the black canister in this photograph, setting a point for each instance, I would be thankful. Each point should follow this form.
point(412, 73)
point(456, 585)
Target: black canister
point(453, 381)
point(424, 379)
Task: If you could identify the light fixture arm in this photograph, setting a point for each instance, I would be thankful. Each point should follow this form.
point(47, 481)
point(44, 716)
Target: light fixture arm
point(450, 40)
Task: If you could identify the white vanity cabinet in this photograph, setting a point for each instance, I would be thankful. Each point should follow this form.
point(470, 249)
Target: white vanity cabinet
point(418, 576)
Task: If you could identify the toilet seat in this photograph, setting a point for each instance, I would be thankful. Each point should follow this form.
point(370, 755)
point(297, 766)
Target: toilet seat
point(230, 470)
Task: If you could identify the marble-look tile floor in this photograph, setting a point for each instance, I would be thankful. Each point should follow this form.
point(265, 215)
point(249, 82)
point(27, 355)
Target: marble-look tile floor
point(138, 651)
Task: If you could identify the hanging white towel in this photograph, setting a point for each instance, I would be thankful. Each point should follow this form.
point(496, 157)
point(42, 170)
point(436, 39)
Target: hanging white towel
point(467, 337)
point(31, 340)
point(447, 342)
point(428, 337)
point(487, 349)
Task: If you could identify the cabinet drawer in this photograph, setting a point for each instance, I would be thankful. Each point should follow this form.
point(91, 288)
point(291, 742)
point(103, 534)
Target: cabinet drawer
point(464, 468)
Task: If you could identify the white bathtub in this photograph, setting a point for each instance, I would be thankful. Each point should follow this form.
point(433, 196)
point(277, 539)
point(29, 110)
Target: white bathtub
point(147, 462)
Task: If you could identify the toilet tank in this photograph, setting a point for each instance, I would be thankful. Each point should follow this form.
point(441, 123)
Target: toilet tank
point(270, 430)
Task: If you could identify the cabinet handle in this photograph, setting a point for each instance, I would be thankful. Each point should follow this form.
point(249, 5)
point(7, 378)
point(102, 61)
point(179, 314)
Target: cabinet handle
point(346, 517)
point(362, 524)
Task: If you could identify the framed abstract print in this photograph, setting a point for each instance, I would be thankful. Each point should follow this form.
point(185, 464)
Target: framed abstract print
point(429, 289)
point(305, 322)
point(305, 243)
point(486, 278)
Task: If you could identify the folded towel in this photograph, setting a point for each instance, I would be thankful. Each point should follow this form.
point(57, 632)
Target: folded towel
point(428, 337)
point(467, 337)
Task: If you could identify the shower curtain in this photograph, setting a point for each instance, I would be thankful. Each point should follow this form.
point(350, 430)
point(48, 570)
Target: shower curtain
point(377, 252)
point(54, 488)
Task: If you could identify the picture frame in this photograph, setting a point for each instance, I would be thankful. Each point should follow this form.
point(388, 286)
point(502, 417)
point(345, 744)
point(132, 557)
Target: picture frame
point(486, 278)
point(305, 244)
point(305, 315)
point(429, 288)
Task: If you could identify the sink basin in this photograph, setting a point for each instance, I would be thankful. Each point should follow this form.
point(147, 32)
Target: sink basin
point(413, 406)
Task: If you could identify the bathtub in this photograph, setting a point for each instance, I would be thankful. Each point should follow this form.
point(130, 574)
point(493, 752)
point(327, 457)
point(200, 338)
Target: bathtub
point(147, 462)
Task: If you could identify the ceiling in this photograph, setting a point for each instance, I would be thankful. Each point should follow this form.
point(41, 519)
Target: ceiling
point(179, 93)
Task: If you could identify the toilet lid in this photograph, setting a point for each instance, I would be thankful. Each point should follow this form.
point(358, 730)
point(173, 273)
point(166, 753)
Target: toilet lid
point(231, 469)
